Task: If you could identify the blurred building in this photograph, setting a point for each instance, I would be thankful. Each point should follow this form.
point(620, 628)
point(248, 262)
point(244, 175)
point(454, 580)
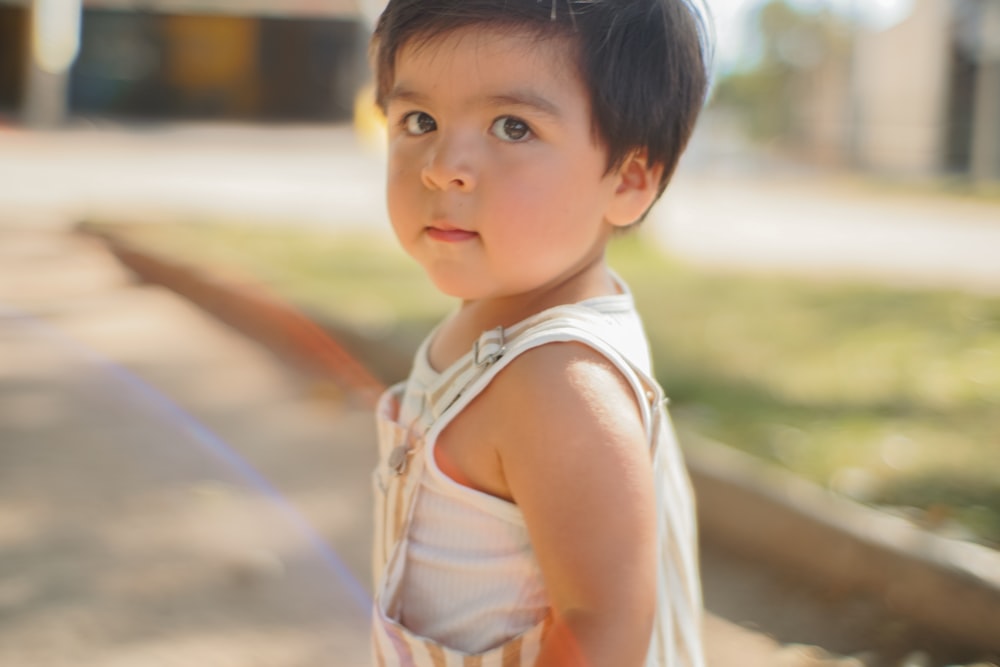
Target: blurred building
point(921, 98)
point(210, 59)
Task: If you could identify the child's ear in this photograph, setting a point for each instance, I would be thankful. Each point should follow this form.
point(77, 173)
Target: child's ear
point(636, 191)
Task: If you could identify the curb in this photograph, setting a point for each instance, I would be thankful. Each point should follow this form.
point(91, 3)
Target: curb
point(256, 313)
point(946, 586)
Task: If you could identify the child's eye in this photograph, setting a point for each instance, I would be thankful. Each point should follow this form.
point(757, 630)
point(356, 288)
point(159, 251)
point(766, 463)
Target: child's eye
point(509, 128)
point(417, 122)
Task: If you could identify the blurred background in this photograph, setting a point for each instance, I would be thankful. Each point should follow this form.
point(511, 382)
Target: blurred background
point(199, 293)
point(903, 87)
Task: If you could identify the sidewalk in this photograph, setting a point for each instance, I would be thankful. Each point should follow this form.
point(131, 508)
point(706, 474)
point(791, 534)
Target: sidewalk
point(137, 533)
point(131, 531)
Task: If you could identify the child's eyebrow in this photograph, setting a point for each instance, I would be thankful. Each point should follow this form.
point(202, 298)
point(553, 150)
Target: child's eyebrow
point(403, 94)
point(526, 98)
point(516, 98)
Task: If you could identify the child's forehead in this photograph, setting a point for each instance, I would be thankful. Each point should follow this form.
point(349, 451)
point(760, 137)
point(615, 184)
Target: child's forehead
point(484, 68)
point(551, 47)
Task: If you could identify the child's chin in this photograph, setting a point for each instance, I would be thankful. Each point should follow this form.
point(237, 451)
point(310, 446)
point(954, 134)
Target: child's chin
point(457, 288)
point(462, 292)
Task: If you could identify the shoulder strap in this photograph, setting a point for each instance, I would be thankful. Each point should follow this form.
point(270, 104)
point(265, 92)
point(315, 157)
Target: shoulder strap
point(498, 347)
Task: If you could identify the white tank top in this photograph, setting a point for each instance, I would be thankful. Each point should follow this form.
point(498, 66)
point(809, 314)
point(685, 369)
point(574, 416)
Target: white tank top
point(470, 579)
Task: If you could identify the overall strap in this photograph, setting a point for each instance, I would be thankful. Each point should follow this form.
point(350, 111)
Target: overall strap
point(498, 347)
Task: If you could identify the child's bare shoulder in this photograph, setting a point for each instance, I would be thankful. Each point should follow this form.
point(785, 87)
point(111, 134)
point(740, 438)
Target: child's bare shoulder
point(567, 370)
point(557, 415)
point(561, 388)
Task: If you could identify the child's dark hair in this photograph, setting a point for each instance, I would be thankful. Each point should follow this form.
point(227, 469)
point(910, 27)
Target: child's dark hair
point(644, 61)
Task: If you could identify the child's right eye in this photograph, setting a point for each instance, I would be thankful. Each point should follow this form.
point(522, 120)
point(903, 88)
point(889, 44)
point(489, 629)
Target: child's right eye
point(417, 122)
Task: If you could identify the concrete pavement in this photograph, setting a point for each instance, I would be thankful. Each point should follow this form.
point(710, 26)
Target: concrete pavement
point(134, 529)
point(314, 175)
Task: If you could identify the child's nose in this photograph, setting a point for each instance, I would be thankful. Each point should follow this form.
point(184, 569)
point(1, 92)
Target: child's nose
point(449, 166)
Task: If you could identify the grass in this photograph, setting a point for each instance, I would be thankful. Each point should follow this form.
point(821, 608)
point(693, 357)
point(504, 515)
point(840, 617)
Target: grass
point(890, 396)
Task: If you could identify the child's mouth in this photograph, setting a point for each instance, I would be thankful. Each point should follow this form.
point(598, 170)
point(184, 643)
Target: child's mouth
point(450, 234)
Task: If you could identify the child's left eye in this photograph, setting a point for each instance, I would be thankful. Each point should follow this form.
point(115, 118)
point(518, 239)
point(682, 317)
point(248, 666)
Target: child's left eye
point(509, 128)
point(416, 123)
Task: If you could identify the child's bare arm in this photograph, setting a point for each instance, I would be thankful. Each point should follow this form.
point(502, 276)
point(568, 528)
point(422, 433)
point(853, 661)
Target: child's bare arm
point(575, 459)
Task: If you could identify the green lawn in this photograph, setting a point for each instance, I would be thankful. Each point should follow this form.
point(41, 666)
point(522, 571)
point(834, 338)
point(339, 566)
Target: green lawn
point(891, 396)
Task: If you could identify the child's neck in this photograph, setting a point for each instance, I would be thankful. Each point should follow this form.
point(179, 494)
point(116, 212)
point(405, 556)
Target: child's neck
point(458, 333)
point(594, 281)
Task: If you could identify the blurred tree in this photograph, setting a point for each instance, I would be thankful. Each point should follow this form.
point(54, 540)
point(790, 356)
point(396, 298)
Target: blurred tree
point(794, 46)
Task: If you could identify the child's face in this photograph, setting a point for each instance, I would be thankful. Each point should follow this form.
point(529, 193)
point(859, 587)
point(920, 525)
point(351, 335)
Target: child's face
point(496, 184)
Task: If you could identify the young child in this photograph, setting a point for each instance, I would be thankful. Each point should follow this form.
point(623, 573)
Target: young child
point(532, 505)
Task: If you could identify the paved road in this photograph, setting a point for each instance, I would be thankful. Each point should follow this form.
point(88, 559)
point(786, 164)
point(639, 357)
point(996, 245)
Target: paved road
point(308, 175)
point(724, 208)
point(809, 225)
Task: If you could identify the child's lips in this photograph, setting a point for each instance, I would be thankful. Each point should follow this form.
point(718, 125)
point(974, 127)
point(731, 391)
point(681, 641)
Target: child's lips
point(449, 234)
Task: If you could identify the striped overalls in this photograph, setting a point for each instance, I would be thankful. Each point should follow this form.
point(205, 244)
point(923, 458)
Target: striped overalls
point(676, 639)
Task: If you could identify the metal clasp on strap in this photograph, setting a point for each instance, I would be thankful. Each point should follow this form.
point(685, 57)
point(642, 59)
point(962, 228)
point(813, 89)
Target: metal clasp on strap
point(483, 360)
point(398, 458)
